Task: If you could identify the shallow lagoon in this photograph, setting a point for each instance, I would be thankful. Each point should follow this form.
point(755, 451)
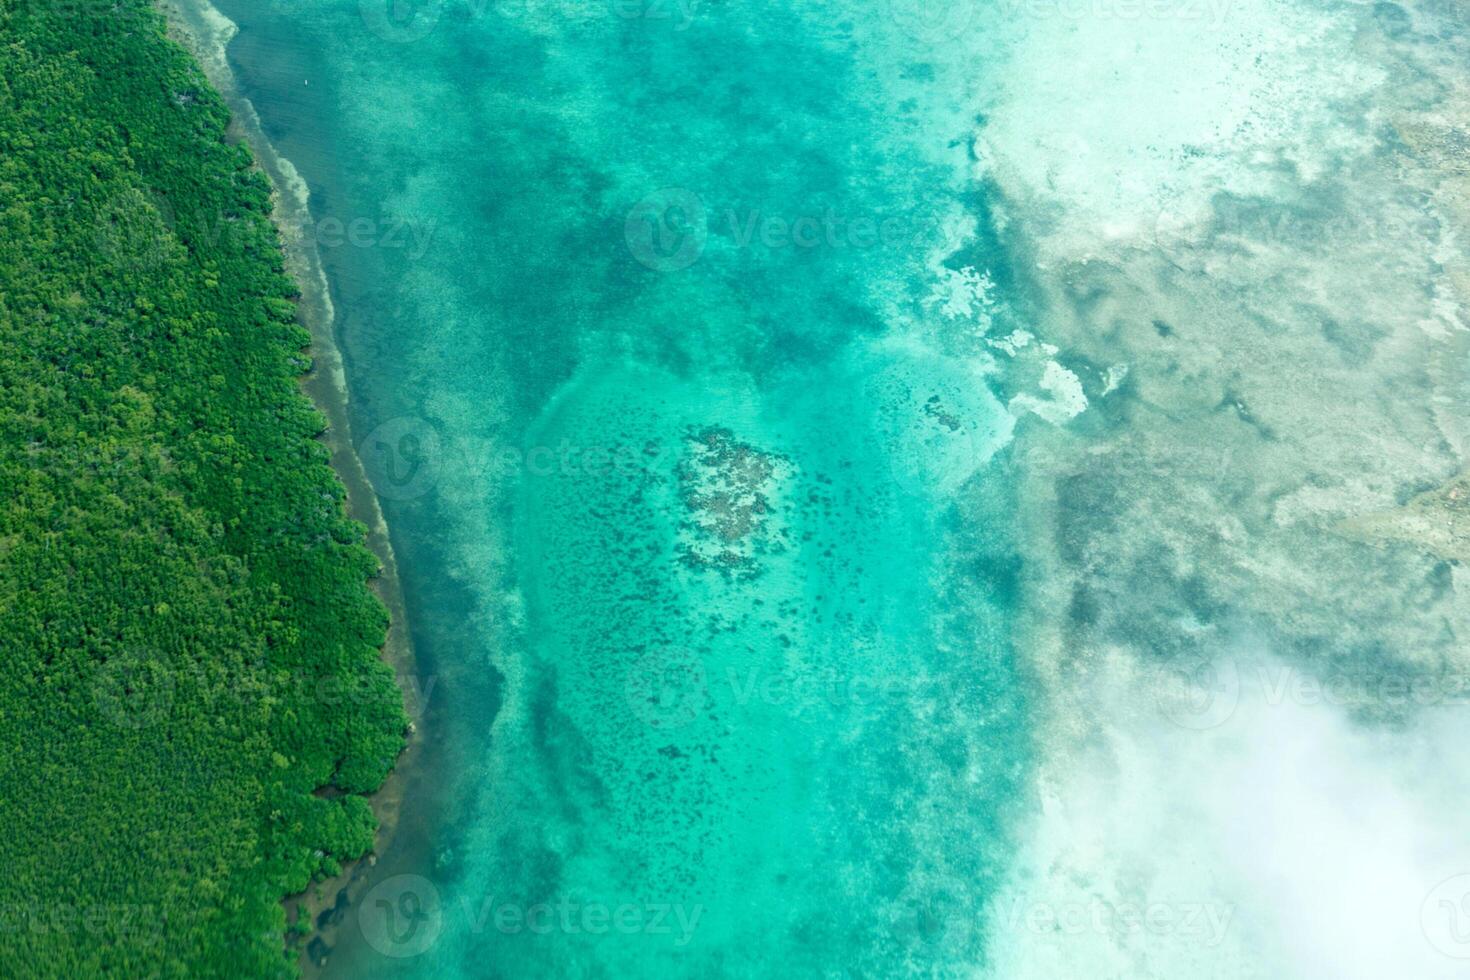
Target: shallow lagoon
point(798, 598)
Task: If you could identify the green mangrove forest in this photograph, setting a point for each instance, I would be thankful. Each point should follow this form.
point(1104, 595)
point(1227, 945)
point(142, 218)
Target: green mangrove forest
point(192, 697)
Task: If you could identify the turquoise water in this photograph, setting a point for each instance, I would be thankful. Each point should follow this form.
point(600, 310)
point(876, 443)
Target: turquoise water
point(880, 489)
point(721, 675)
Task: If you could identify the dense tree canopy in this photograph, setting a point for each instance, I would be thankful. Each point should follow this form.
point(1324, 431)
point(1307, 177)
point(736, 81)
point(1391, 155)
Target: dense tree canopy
point(192, 699)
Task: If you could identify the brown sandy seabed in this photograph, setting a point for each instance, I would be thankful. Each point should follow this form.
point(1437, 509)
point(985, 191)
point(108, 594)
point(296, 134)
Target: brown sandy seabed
point(1231, 424)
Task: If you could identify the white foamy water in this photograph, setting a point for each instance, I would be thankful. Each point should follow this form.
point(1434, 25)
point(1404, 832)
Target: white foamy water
point(1287, 841)
point(1246, 234)
point(1104, 123)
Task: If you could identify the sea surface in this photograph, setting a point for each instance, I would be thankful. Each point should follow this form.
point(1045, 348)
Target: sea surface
point(885, 489)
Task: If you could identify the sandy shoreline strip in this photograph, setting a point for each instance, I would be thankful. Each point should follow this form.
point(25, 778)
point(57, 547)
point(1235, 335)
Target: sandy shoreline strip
point(206, 33)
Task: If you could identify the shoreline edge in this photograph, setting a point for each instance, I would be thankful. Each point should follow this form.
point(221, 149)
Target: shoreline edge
point(205, 33)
